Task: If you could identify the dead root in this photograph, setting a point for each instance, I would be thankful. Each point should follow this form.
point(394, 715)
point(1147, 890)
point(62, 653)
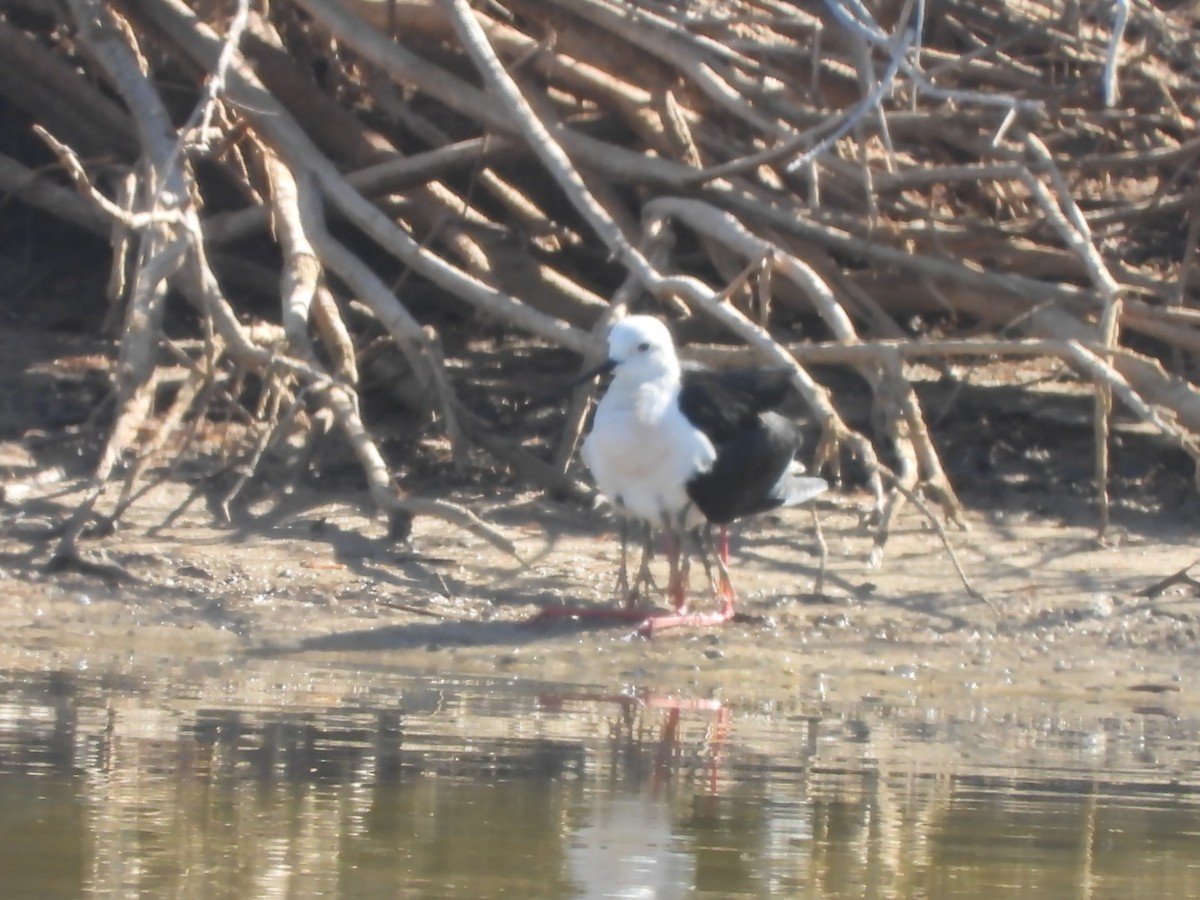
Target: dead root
point(555, 165)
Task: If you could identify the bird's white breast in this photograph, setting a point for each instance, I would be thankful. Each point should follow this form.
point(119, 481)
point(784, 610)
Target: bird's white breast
point(642, 450)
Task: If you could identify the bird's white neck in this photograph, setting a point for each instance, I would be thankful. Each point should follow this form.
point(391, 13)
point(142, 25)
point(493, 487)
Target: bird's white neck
point(646, 399)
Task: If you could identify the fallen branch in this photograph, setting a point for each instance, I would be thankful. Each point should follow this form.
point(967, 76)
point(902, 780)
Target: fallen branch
point(448, 184)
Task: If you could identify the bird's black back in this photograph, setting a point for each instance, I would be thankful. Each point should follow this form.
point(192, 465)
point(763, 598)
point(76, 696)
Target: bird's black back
point(723, 403)
point(748, 466)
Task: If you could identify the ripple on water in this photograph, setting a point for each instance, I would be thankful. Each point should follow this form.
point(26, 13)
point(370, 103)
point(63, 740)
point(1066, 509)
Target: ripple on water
point(286, 778)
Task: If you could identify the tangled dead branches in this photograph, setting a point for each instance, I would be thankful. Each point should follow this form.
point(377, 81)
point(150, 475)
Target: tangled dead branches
point(887, 184)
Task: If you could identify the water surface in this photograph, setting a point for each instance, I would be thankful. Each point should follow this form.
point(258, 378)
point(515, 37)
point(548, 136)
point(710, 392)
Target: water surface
point(287, 778)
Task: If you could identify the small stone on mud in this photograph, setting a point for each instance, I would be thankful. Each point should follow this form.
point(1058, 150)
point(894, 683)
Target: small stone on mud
point(1101, 605)
point(834, 620)
point(1154, 687)
point(714, 653)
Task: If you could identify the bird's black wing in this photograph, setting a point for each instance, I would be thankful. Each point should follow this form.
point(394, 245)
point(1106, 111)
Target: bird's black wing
point(748, 467)
point(722, 403)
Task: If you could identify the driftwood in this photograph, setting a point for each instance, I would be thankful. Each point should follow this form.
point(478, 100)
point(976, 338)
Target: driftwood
point(1017, 172)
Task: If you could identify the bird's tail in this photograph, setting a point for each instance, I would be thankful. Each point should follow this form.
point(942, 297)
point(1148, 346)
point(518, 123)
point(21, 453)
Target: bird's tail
point(795, 487)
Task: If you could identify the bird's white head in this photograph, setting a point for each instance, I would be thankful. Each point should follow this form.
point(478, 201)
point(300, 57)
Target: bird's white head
point(640, 349)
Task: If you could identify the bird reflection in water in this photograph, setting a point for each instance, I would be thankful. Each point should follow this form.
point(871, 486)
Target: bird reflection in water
point(630, 843)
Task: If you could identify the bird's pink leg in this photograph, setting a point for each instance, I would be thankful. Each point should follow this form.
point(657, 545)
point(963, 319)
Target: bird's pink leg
point(628, 612)
point(677, 576)
point(629, 592)
point(651, 623)
point(725, 592)
point(622, 589)
point(722, 587)
point(661, 622)
point(643, 582)
point(618, 615)
point(628, 595)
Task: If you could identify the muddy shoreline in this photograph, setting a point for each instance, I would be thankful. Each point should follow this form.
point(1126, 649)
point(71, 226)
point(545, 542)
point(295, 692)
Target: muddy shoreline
point(326, 584)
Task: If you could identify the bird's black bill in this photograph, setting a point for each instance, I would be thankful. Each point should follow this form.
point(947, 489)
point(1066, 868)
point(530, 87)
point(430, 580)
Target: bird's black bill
point(603, 369)
point(558, 394)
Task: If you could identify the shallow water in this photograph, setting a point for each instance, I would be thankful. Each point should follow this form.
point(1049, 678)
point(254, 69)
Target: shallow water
point(289, 778)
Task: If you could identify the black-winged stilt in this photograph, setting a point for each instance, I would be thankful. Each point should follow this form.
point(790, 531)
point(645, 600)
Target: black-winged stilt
point(685, 450)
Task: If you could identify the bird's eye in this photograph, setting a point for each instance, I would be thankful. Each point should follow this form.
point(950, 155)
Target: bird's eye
point(643, 346)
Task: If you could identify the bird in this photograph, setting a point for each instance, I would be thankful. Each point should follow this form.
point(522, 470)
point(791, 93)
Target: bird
point(687, 449)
